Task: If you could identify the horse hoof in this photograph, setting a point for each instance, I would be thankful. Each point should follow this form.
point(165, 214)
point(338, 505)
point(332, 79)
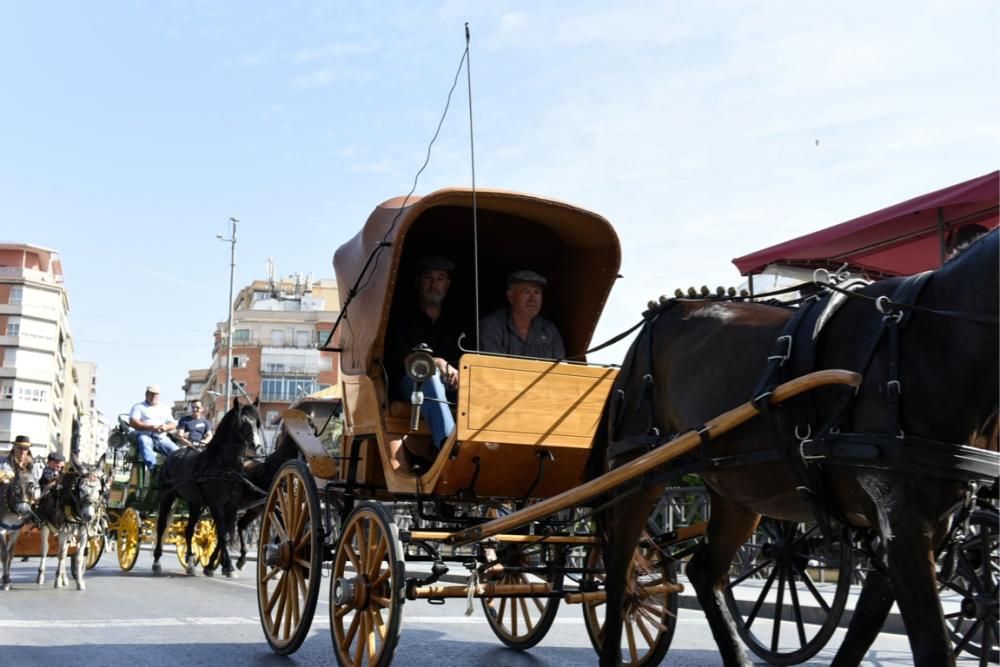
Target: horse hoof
point(5, 587)
point(231, 574)
point(240, 563)
point(80, 586)
point(157, 568)
point(40, 580)
point(192, 570)
point(209, 573)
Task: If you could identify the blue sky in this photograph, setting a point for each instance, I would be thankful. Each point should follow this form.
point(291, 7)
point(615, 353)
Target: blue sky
point(132, 131)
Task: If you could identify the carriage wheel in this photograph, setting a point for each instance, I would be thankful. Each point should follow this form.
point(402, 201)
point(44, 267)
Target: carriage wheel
point(973, 626)
point(784, 610)
point(95, 549)
point(520, 623)
point(649, 619)
point(289, 558)
point(203, 543)
point(366, 593)
point(129, 537)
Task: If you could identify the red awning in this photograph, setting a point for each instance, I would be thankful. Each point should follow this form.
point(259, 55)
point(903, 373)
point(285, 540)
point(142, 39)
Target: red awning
point(899, 240)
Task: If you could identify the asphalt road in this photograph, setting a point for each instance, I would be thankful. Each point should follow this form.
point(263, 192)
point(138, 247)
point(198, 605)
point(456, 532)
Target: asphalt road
point(140, 619)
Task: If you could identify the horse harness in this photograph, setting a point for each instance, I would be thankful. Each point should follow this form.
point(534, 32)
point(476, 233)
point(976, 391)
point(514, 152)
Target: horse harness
point(12, 508)
point(806, 453)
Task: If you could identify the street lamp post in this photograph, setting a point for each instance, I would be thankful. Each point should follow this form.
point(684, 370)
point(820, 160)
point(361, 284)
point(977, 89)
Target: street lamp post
point(229, 336)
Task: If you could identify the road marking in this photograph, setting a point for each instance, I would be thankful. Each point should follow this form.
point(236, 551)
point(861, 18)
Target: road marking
point(129, 622)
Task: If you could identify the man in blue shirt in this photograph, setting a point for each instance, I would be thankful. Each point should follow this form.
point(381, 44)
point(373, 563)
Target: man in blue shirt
point(193, 429)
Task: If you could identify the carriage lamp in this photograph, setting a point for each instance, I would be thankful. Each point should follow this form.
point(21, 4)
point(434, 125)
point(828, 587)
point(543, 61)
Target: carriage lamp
point(419, 365)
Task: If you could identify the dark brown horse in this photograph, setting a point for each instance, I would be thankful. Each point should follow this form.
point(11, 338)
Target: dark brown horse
point(697, 359)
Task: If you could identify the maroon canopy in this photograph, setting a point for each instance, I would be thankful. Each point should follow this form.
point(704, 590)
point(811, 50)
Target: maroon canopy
point(902, 239)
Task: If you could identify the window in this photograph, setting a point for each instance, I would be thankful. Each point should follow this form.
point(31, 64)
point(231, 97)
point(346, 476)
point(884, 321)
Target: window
point(241, 336)
point(321, 336)
point(13, 328)
point(16, 294)
point(301, 339)
point(285, 388)
point(7, 391)
point(277, 337)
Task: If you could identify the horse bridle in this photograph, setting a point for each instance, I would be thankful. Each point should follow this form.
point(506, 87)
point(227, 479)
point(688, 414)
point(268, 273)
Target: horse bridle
point(11, 499)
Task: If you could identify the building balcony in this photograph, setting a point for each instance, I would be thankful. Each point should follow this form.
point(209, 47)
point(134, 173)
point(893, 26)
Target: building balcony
point(33, 275)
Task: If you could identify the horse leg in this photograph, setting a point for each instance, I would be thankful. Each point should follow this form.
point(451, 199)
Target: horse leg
point(241, 527)
point(194, 513)
point(869, 616)
point(7, 554)
point(43, 533)
point(621, 527)
point(729, 527)
point(230, 524)
point(82, 535)
point(162, 518)
point(221, 553)
point(910, 552)
point(60, 579)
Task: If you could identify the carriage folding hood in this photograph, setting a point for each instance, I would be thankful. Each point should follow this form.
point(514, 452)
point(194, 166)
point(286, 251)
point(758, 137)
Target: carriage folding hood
point(581, 272)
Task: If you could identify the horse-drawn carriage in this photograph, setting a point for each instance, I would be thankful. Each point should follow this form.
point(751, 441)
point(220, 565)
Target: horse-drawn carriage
point(132, 505)
point(511, 482)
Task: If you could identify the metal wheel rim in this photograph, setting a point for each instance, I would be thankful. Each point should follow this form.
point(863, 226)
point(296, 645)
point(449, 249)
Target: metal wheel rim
point(792, 584)
point(95, 549)
point(289, 558)
point(370, 619)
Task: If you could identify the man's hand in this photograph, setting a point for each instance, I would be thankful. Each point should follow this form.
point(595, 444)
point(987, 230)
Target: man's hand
point(449, 374)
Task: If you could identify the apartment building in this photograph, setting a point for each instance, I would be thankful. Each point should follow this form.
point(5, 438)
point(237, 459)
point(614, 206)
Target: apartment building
point(38, 395)
point(195, 385)
point(278, 326)
point(92, 430)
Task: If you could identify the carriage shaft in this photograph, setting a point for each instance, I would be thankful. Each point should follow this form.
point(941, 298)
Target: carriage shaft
point(679, 446)
point(439, 536)
point(643, 592)
point(482, 590)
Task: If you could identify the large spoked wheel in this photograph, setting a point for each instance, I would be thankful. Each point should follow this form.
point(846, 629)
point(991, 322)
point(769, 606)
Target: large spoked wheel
point(522, 622)
point(790, 595)
point(650, 604)
point(95, 549)
point(203, 543)
point(129, 537)
point(289, 558)
point(971, 615)
point(366, 593)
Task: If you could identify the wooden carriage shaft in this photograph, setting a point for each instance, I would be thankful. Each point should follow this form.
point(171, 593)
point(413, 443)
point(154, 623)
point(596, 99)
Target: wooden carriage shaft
point(681, 445)
point(531, 590)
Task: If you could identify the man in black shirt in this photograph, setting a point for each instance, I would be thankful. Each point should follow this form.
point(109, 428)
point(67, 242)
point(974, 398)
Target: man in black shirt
point(193, 429)
point(428, 323)
point(52, 472)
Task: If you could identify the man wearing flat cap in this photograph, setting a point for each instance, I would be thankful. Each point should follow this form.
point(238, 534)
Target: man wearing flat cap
point(52, 472)
point(17, 458)
point(152, 421)
point(519, 330)
point(427, 322)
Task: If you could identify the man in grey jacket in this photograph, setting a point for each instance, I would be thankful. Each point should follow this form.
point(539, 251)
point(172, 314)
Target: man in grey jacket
point(519, 329)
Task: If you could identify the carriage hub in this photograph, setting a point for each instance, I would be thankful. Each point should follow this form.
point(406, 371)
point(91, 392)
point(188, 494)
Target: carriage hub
point(278, 555)
point(350, 591)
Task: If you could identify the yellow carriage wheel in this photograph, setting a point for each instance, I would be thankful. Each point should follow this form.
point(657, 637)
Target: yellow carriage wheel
point(203, 543)
point(289, 558)
point(95, 549)
point(366, 590)
point(650, 605)
point(129, 538)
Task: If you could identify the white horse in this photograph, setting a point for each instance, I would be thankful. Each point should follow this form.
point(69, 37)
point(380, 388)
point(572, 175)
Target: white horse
point(70, 510)
point(16, 496)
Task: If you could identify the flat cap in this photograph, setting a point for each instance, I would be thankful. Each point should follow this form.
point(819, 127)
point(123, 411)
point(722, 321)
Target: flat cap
point(57, 457)
point(526, 276)
point(435, 263)
point(153, 389)
point(22, 441)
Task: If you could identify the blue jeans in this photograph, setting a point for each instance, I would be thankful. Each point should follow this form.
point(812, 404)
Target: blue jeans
point(149, 441)
point(434, 409)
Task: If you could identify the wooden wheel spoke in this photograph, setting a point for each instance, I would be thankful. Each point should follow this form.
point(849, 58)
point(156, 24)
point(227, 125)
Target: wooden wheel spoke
point(502, 612)
point(383, 631)
point(281, 596)
point(381, 601)
point(513, 618)
point(646, 634)
point(524, 614)
point(376, 561)
point(351, 631)
point(538, 603)
point(381, 578)
point(343, 611)
point(275, 595)
point(370, 637)
point(303, 563)
point(305, 541)
point(271, 574)
point(632, 651)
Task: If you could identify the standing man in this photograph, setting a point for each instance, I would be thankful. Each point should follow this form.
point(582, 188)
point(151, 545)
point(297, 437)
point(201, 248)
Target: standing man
point(52, 472)
point(519, 330)
point(17, 458)
point(152, 421)
point(193, 429)
point(427, 322)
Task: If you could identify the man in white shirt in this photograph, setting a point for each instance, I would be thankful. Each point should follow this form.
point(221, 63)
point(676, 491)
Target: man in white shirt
point(152, 421)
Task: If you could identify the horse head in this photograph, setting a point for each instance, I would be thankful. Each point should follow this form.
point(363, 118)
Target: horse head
point(87, 489)
point(239, 433)
point(21, 491)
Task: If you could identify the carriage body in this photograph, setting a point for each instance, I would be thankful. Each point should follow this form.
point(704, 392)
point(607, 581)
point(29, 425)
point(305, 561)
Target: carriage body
point(511, 412)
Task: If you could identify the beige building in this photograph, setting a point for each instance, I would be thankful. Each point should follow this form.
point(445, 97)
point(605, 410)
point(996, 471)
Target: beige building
point(93, 431)
point(195, 385)
point(278, 327)
point(38, 397)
